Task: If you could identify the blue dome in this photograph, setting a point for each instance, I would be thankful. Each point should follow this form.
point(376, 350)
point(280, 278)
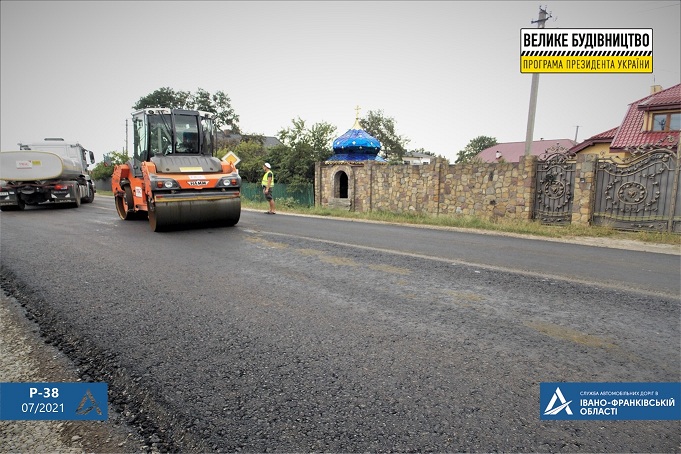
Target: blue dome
point(356, 157)
point(356, 140)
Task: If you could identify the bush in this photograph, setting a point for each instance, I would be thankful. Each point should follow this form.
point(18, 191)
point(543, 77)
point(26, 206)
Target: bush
point(288, 202)
point(104, 169)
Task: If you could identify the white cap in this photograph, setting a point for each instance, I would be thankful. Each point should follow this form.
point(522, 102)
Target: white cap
point(267, 164)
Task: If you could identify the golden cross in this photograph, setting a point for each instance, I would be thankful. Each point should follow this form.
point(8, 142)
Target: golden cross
point(357, 108)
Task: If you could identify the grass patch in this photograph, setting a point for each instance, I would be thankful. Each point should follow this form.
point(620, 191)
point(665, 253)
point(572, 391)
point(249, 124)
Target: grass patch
point(469, 222)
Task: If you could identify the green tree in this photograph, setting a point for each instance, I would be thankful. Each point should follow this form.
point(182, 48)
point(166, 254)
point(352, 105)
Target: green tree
point(104, 169)
point(292, 165)
point(319, 137)
point(164, 97)
point(218, 103)
point(382, 127)
point(474, 147)
point(302, 147)
point(423, 150)
point(252, 154)
point(429, 153)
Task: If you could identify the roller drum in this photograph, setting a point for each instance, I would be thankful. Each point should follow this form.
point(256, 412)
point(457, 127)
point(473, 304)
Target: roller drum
point(194, 213)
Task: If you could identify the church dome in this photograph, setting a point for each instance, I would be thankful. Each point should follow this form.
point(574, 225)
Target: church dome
point(356, 145)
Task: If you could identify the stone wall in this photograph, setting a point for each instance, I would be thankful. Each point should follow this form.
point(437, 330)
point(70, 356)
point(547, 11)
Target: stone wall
point(484, 190)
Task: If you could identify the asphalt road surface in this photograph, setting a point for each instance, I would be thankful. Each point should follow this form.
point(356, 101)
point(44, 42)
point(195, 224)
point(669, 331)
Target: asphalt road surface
point(297, 334)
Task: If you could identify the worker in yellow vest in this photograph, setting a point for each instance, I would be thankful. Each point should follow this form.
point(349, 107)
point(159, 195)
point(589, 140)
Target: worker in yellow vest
point(267, 185)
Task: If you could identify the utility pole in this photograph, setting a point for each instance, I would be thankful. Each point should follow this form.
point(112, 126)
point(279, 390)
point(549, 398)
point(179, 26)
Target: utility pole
point(543, 17)
point(576, 131)
point(126, 136)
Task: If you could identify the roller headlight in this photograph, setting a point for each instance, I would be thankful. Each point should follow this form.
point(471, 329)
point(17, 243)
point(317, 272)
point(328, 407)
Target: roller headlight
point(164, 183)
point(230, 181)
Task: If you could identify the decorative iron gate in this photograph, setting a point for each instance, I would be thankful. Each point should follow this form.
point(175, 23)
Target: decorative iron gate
point(555, 180)
point(640, 192)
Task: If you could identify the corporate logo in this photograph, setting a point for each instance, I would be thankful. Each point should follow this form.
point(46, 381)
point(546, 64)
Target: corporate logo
point(609, 401)
point(88, 404)
point(553, 409)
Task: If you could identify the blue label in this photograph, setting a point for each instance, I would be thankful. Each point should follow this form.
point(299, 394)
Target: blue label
point(54, 401)
point(614, 401)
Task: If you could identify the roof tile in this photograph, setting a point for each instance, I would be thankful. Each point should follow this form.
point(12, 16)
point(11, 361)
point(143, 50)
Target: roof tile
point(631, 133)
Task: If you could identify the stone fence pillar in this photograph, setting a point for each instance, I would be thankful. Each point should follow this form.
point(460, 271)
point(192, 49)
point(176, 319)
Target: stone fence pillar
point(582, 195)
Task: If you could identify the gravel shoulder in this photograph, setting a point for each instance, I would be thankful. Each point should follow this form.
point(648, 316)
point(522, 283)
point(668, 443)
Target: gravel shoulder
point(25, 357)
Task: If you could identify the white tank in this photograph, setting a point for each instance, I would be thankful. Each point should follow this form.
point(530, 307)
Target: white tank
point(37, 165)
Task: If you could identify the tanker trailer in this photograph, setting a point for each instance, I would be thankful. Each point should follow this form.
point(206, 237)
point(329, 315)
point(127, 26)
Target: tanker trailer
point(49, 171)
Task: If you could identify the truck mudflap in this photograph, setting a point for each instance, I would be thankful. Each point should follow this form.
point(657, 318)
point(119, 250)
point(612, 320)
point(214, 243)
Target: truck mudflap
point(68, 195)
point(9, 200)
point(175, 211)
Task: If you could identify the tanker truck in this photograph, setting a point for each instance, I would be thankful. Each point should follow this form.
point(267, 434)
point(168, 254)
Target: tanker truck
point(51, 171)
point(174, 178)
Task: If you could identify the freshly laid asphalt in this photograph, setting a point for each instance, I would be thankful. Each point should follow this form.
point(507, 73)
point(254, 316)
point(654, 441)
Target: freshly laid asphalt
point(262, 338)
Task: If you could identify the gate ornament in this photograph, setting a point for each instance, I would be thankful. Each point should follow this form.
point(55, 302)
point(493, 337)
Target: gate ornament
point(554, 188)
point(667, 145)
point(555, 179)
point(640, 192)
point(556, 153)
point(631, 192)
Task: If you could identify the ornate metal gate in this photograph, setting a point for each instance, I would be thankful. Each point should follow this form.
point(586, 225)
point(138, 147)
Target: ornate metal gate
point(640, 192)
point(555, 180)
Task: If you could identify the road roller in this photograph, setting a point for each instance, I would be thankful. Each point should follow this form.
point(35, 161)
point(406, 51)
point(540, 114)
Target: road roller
point(174, 177)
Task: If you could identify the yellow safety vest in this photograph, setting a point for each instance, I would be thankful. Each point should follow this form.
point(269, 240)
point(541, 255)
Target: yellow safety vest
point(264, 178)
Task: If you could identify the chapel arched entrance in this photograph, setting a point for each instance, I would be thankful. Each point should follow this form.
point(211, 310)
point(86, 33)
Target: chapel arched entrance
point(340, 185)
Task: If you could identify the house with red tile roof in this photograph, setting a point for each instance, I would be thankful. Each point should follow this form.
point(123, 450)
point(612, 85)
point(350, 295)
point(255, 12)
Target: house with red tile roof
point(513, 151)
point(648, 120)
point(655, 118)
point(598, 144)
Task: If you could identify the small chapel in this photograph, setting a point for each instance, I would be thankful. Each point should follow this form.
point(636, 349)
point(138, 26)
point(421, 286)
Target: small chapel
point(341, 180)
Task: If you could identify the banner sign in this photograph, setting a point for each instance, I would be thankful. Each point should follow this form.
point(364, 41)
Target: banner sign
point(614, 401)
point(54, 401)
point(586, 50)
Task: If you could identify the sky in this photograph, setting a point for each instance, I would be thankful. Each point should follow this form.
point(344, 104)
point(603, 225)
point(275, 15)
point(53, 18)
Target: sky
point(444, 71)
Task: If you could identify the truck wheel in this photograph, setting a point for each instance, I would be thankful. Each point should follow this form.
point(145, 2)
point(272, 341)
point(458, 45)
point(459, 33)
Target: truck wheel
point(124, 204)
point(76, 204)
point(90, 194)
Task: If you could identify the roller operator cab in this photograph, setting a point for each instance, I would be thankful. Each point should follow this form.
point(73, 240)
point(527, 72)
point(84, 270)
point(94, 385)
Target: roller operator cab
point(173, 177)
